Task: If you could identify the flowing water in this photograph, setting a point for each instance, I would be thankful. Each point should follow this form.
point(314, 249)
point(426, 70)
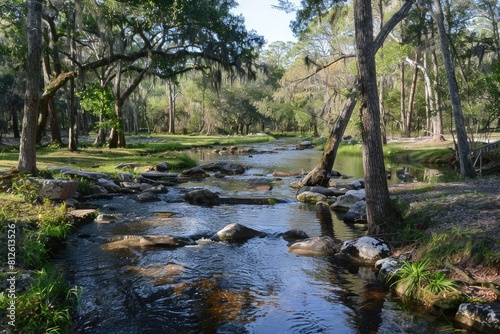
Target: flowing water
point(217, 287)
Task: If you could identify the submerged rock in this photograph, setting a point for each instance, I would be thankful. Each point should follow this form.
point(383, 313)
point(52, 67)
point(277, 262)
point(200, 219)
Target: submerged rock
point(315, 246)
point(167, 241)
point(237, 232)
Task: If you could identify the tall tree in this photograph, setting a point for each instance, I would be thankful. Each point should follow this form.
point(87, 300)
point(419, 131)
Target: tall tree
point(378, 207)
point(27, 149)
point(466, 166)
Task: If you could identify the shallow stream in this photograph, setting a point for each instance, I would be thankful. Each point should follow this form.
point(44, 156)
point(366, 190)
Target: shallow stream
point(217, 287)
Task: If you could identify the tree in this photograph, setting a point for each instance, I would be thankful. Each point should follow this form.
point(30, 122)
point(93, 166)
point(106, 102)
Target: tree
point(466, 166)
point(378, 207)
point(27, 148)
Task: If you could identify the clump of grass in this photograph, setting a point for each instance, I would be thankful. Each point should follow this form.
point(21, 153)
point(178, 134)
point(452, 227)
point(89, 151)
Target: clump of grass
point(46, 306)
point(413, 277)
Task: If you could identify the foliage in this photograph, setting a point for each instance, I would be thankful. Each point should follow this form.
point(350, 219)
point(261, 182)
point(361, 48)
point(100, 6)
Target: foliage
point(26, 188)
point(46, 307)
point(100, 101)
point(414, 276)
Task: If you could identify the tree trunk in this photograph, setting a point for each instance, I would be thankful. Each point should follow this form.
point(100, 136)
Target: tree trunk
point(411, 99)
point(27, 148)
point(402, 100)
point(171, 107)
point(378, 207)
point(466, 166)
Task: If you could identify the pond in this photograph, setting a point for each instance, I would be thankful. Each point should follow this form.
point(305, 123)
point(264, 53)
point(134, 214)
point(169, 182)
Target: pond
point(218, 287)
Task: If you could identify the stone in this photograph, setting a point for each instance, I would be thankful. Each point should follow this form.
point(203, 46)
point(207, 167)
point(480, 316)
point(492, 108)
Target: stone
point(365, 250)
point(311, 197)
point(224, 168)
point(57, 189)
point(203, 197)
point(147, 197)
point(260, 184)
point(158, 189)
point(109, 185)
point(389, 265)
point(327, 191)
point(126, 241)
point(356, 212)
point(91, 176)
point(194, 173)
point(483, 318)
point(351, 185)
point(345, 202)
point(105, 218)
point(125, 177)
point(316, 246)
point(83, 216)
point(294, 235)
point(96, 189)
point(161, 167)
point(237, 232)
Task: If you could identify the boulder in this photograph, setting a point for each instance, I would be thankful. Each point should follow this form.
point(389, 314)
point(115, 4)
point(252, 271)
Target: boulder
point(109, 185)
point(57, 189)
point(96, 189)
point(203, 197)
point(345, 202)
point(327, 191)
point(161, 167)
point(316, 246)
point(154, 177)
point(224, 168)
point(311, 197)
point(294, 235)
point(483, 318)
point(389, 265)
point(365, 250)
point(147, 197)
point(194, 173)
point(83, 216)
point(356, 212)
point(158, 189)
point(105, 218)
point(237, 232)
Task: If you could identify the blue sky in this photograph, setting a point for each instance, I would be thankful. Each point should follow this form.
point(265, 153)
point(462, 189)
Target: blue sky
point(271, 23)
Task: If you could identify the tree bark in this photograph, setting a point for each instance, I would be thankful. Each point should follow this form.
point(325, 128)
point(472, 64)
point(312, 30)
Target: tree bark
point(27, 148)
point(411, 99)
point(466, 166)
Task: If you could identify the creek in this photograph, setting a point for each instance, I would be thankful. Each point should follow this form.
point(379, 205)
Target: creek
point(217, 287)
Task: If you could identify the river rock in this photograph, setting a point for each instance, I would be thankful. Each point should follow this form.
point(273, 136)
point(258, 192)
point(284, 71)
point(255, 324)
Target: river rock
point(161, 167)
point(351, 185)
point(203, 197)
point(365, 250)
point(294, 235)
point(147, 197)
point(237, 232)
point(91, 176)
point(345, 202)
point(158, 189)
point(483, 318)
point(225, 168)
point(389, 265)
point(316, 246)
point(327, 191)
point(260, 184)
point(105, 218)
point(356, 212)
point(167, 241)
point(194, 173)
point(311, 197)
point(57, 189)
point(109, 185)
point(125, 177)
point(83, 216)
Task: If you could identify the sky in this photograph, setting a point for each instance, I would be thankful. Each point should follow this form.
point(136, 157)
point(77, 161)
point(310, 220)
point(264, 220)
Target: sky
point(271, 23)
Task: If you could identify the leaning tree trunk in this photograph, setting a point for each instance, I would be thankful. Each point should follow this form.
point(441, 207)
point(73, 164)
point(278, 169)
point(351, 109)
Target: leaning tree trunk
point(27, 148)
point(321, 173)
point(466, 166)
point(379, 210)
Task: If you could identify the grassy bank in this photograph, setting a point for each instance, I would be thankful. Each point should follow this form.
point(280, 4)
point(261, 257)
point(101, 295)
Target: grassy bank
point(36, 297)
